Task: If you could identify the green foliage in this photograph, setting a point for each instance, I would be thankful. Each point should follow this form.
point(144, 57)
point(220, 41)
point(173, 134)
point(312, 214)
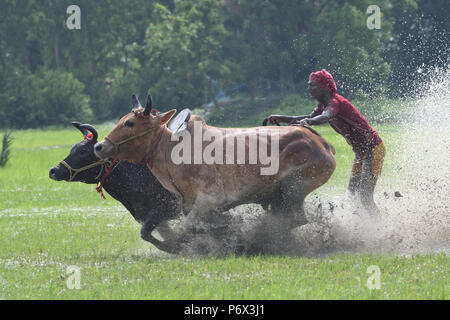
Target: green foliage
point(117, 100)
point(243, 112)
point(6, 149)
point(47, 97)
point(295, 105)
point(183, 51)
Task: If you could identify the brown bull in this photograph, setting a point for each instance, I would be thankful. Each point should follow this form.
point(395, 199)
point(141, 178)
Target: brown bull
point(214, 169)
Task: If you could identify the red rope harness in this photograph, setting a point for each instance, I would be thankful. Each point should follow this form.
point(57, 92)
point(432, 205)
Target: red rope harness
point(100, 187)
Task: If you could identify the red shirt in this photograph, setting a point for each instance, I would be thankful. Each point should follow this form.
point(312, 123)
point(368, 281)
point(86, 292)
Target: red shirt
point(349, 122)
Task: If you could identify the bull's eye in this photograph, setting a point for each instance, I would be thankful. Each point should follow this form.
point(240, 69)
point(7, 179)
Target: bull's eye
point(129, 123)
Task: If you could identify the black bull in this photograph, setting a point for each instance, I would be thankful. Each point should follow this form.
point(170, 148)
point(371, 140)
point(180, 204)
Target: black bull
point(131, 184)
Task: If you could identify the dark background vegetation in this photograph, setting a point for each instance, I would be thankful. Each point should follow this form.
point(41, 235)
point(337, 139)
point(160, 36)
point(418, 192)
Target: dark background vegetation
point(256, 53)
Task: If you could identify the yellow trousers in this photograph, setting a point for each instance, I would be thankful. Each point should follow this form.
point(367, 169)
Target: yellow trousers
point(374, 159)
point(364, 176)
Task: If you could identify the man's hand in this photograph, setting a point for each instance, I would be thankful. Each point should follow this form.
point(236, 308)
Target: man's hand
point(302, 123)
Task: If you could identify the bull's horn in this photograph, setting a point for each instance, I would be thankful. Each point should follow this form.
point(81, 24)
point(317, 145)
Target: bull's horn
point(91, 129)
point(135, 102)
point(77, 125)
point(148, 106)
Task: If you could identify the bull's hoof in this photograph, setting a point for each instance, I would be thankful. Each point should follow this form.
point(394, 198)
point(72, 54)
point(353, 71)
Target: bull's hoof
point(173, 247)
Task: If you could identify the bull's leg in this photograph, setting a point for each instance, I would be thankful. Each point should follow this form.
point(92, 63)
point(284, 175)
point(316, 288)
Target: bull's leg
point(171, 211)
point(205, 217)
point(303, 169)
point(294, 207)
point(291, 200)
point(196, 221)
point(154, 218)
point(166, 231)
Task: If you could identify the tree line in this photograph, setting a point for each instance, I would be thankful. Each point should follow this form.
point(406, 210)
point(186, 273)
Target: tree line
point(187, 51)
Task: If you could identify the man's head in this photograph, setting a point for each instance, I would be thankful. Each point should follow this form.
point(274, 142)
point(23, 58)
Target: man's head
point(321, 84)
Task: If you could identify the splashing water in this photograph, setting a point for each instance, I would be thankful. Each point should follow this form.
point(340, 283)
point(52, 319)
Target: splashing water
point(419, 221)
point(415, 209)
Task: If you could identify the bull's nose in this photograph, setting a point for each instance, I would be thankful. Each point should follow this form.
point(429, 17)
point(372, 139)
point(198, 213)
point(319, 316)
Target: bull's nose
point(52, 173)
point(103, 149)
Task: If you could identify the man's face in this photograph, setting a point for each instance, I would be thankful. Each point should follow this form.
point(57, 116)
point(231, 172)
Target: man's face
point(315, 90)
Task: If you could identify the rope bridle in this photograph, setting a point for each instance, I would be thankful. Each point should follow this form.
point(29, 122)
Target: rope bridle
point(73, 172)
point(138, 113)
point(105, 165)
point(118, 144)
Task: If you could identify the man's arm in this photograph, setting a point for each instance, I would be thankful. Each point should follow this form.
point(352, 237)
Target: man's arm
point(288, 119)
point(300, 118)
point(280, 119)
point(320, 119)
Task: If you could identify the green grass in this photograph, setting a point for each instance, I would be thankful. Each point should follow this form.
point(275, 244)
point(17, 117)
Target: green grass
point(47, 226)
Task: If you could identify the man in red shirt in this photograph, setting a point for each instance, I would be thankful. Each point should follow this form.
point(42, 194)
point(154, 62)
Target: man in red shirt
point(345, 119)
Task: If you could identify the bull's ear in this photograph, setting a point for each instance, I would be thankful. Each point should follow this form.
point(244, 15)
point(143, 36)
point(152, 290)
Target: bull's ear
point(148, 105)
point(165, 117)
